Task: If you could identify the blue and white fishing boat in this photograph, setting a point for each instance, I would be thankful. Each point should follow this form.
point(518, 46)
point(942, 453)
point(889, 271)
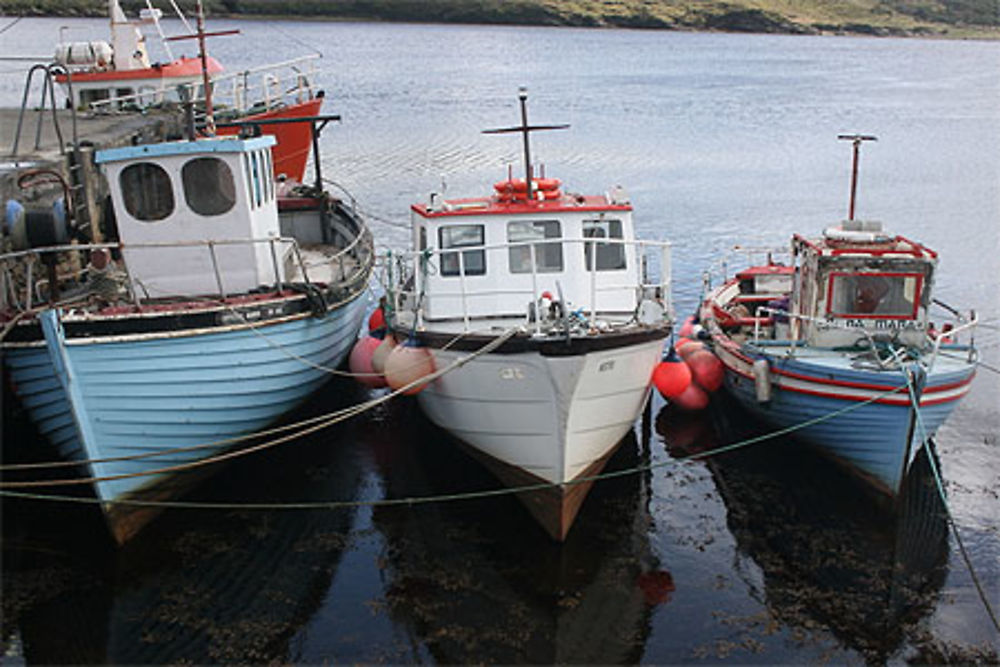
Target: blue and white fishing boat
point(218, 302)
point(840, 342)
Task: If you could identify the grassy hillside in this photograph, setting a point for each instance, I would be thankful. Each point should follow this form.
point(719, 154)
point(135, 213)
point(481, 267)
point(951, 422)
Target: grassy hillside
point(945, 18)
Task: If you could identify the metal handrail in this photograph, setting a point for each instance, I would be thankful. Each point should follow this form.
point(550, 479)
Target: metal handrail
point(303, 83)
point(30, 256)
point(414, 264)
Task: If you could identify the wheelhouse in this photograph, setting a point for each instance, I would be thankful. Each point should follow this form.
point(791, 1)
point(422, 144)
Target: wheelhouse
point(491, 257)
point(196, 217)
point(858, 280)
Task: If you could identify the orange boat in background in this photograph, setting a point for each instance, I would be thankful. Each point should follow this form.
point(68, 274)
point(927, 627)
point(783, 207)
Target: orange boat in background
point(118, 77)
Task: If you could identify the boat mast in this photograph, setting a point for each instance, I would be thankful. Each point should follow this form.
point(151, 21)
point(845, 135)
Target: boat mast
point(856, 140)
point(525, 129)
point(200, 34)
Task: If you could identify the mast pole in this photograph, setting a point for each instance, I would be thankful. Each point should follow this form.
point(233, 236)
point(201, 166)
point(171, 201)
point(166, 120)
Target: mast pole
point(855, 140)
point(522, 95)
point(203, 54)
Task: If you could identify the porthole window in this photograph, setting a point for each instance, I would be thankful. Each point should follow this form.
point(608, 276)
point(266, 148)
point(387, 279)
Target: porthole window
point(209, 188)
point(146, 191)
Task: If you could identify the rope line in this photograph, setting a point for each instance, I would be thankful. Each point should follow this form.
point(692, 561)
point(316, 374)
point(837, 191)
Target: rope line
point(915, 401)
point(429, 499)
point(316, 425)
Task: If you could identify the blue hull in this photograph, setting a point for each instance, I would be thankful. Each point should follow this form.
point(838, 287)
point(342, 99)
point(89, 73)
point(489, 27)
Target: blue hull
point(876, 439)
point(124, 396)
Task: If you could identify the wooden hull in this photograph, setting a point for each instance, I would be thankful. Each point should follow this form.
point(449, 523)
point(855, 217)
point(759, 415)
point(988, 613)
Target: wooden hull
point(140, 411)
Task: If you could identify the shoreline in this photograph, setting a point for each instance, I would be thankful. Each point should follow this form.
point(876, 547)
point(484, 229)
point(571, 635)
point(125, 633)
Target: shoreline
point(736, 21)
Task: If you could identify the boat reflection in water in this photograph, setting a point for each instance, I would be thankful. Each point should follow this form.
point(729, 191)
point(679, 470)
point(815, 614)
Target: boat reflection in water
point(830, 559)
point(201, 586)
point(472, 583)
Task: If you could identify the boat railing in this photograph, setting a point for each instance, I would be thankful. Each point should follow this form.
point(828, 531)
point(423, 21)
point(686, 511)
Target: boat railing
point(250, 90)
point(720, 266)
point(763, 313)
point(414, 268)
point(21, 291)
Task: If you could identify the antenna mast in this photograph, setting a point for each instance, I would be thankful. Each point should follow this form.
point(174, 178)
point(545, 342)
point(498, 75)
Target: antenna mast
point(855, 139)
point(525, 129)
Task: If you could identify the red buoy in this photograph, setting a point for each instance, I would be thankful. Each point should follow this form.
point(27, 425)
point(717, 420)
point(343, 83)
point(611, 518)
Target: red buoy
point(406, 364)
point(706, 369)
point(360, 362)
point(692, 399)
point(690, 347)
point(671, 378)
point(376, 320)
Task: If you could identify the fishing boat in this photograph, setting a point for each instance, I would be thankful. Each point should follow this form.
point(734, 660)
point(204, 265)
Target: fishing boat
point(564, 280)
point(215, 303)
point(839, 344)
point(119, 76)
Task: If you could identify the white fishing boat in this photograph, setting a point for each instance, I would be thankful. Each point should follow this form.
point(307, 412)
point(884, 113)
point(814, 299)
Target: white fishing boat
point(214, 304)
point(563, 277)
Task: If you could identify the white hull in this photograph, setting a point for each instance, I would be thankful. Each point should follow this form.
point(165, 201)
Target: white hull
point(550, 416)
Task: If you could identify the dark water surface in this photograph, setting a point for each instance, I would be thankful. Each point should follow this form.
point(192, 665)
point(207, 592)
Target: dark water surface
point(766, 555)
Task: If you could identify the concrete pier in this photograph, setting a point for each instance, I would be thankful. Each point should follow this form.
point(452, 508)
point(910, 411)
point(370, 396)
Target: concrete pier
point(39, 146)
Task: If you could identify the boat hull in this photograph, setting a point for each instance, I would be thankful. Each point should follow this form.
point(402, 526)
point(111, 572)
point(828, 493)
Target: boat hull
point(151, 395)
point(864, 419)
point(540, 420)
point(294, 140)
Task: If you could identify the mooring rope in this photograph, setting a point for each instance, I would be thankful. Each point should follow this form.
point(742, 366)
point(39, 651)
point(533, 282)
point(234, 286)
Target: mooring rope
point(316, 425)
point(915, 402)
point(431, 499)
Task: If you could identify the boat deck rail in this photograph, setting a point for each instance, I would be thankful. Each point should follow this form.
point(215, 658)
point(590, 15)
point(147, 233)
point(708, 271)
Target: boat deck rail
point(763, 314)
point(21, 292)
point(412, 269)
point(252, 90)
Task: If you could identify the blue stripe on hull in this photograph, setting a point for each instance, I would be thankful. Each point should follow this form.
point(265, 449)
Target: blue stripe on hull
point(158, 394)
point(872, 437)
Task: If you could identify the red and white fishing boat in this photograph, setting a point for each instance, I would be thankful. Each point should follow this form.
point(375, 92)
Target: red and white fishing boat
point(562, 279)
point(118, 76)
point(840, 345)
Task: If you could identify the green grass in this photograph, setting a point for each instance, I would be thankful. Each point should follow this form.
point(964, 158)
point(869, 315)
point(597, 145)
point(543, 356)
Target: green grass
point(950, 18)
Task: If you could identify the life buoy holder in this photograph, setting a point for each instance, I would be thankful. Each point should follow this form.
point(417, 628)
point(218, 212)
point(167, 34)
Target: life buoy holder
point(516, 189)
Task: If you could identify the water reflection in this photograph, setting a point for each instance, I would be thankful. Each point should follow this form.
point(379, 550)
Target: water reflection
point(194, 586)
point(473, 582)
point(831, 556)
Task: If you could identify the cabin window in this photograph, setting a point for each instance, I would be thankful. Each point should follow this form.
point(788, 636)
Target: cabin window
point(255, 166)
point(422, 243)
point(548, 254)
point(874, 295)
point(146, 191)
point(610, 256)
point(462, 236)
point(209, 188)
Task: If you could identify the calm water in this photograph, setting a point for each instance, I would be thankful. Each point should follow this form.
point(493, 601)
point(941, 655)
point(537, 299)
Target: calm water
point(763, 556)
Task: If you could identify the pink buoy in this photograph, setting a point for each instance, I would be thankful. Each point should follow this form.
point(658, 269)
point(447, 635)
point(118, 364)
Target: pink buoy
point(706, 369)
point(692, 399)
point(360, 362)
point(671, 377)
point(406, 364)
point(687, 329)
point(381, 353)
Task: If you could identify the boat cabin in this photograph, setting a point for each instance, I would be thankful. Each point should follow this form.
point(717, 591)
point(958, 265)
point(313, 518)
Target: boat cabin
point(492, 256)
point(196, 217)
point(858, 278)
